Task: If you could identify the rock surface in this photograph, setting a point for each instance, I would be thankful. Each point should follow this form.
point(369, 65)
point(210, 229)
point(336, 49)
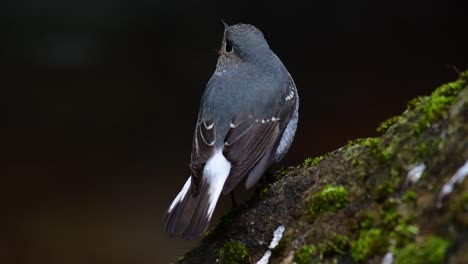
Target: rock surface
point(360, 204)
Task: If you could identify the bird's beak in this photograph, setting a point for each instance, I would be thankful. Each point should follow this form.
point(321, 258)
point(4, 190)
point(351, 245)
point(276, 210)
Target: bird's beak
point(225, 24)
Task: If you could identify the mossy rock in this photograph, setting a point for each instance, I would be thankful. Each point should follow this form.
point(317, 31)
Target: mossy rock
point(329, 199)
point(355, 204)
point(233, 252)
point(305, 254)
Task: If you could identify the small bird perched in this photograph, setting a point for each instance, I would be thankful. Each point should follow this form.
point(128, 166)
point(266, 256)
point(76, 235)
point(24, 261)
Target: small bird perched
point(246, 122)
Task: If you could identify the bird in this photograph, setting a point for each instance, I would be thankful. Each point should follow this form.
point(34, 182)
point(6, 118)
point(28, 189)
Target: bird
point(246, 123)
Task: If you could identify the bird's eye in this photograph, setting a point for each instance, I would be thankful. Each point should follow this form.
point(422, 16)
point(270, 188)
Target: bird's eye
point(228, 47)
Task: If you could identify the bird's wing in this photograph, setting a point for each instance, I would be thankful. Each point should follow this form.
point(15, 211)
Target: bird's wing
point(203, 148)
point(248, 140)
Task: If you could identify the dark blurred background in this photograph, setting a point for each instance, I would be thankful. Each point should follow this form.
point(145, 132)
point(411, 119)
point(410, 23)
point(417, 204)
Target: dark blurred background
point(99, 98)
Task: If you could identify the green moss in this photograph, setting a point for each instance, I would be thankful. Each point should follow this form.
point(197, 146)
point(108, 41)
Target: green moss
point(435, 107)
point(423, 148)
point(329, 199)
point(432, 251)
point(399, 227)
point(374, 145)
point(304, 254)
point(390, 203)
point(263, 191)
point(367, 221)
point(428, 147)
point(415, 102)
point(233, 252)
point(383, 191)
point(356, 162)
point(409, 197)
point(312, 162)
point(370, 242)
point(385, 125)
point(354, 142)
point(281, 173)
point(405, 231)
point(464, 199)
point(338, 244)
point(391, 219)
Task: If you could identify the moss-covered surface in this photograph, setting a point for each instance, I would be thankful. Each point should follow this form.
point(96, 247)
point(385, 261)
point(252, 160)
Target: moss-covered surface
point(361, 203)
point(431, 251)
point(368, 243)
point(233, 252)
point(387, 123)
point(329, 199)
point(305, 254)
point(311, 162)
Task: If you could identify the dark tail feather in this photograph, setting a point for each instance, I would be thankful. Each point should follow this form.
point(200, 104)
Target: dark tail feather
point(188, 216)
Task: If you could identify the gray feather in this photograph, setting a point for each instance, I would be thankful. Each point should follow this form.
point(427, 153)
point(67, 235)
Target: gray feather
point(249, 111)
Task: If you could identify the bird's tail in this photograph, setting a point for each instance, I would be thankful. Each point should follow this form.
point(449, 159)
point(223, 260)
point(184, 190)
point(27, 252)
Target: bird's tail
point(190, 213)
point(184, 217)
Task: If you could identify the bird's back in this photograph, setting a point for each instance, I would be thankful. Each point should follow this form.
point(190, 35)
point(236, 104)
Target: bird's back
point(249, 103)
point(242, 91)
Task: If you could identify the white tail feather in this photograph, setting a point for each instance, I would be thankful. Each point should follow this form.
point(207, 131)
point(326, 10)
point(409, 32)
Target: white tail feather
point(181, 194)
point(215, 173)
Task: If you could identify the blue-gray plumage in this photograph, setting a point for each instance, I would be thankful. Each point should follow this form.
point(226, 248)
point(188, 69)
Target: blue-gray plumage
point(246, 122)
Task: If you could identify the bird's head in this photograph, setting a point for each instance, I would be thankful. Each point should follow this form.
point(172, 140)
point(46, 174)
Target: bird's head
point(243, 41)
